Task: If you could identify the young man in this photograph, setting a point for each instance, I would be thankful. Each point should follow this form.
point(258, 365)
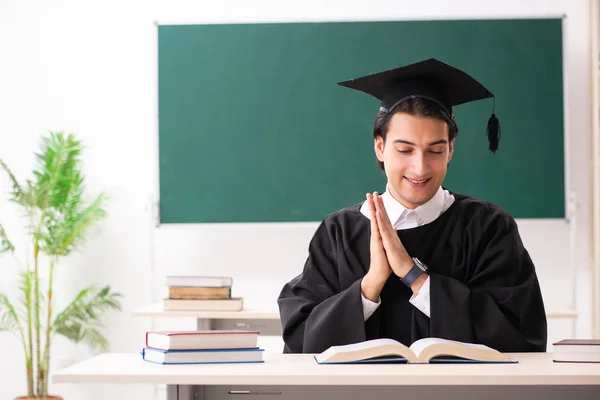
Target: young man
point(417, 261)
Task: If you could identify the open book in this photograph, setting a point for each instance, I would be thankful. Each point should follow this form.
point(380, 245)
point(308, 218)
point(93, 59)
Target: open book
point(428, 350)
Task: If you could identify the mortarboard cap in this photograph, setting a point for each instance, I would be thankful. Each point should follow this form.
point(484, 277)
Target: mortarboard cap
point(430, 79)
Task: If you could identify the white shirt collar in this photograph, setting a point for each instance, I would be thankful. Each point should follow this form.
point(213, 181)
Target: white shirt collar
point(427, 212)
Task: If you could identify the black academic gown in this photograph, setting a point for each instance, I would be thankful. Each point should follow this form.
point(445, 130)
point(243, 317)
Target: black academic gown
point(483, 284)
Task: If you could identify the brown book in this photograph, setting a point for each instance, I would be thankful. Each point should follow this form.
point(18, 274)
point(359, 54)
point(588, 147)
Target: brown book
point(194, 293)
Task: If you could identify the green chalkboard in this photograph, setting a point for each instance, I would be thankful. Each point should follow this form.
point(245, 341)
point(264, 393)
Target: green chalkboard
point(254, 128)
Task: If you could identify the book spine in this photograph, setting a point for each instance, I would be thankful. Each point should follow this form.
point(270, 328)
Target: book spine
point(194, 293)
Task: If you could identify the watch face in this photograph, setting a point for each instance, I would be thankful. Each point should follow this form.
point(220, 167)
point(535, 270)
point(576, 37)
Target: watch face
point(419, 264)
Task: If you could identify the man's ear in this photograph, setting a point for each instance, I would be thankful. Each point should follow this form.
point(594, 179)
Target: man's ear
point(450, 150)
point(379, 145)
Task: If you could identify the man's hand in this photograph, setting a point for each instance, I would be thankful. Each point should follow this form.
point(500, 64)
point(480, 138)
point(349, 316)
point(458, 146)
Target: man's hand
point(397, 256)
point(379, 269)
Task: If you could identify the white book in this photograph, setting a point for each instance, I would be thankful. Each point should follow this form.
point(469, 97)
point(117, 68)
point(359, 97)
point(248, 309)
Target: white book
point(202, 340)
point(198, 281)
point(422, 351)
point(233, 304)
point(577, 350)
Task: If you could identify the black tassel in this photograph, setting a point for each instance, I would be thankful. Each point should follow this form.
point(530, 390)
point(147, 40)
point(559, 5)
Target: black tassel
point(493, 133)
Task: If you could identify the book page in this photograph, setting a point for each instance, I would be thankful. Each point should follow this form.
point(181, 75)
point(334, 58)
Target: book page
point(357, 346)
point(418, 346)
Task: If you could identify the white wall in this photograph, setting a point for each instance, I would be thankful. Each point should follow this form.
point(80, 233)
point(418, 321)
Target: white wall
point(92, 70)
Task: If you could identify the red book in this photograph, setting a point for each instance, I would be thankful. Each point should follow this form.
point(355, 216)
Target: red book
point(202, 340)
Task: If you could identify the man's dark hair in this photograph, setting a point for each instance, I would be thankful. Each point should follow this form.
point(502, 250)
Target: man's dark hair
point(418, 107)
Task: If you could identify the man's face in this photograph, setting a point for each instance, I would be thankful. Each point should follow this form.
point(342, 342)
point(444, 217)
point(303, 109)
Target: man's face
point(415, 154)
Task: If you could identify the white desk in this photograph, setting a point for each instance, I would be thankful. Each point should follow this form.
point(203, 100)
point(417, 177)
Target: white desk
point(298, 376)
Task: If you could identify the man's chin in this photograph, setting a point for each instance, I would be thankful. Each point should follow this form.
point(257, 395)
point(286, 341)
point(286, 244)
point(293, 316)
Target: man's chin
point(412, 198)
point(415, 201)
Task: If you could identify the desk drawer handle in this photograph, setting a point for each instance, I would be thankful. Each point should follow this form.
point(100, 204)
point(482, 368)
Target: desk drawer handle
point(253, 393)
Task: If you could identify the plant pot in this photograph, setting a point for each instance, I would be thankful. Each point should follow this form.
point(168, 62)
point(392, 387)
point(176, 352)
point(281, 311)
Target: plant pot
point(39, 398)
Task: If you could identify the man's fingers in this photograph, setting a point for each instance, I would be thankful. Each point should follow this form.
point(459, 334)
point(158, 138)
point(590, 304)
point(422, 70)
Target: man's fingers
point(371, 206)
point(384, 222)
point(383, 234)
point(370, 203)
point(379, 206)
point(375, 235)
point(380, 221)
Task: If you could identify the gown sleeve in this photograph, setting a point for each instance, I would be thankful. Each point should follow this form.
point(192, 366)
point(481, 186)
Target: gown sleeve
point(499, 303)
point(315, 311)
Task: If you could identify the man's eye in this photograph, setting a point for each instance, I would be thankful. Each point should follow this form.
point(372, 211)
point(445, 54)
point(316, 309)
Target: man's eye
point(403, 151)
point(435, 152)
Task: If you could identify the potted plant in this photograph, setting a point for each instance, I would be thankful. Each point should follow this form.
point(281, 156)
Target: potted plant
point(58, 222)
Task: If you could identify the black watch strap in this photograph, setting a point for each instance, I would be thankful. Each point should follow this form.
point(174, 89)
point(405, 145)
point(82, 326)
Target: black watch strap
point(417, 270)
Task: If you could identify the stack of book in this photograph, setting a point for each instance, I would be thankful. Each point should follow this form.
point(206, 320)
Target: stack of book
point(202, 347)
point(200, 293)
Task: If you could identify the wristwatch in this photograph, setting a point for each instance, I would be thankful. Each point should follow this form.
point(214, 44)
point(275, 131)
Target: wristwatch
point(417, 269)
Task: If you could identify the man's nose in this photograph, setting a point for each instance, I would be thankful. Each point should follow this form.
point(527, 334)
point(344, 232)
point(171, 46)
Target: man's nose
point(418, 166)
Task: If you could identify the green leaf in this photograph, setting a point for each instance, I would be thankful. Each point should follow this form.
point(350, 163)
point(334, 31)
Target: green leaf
point(5, 244)
point(17, 192)
point(8, 316)
point(80, 320)
point(10, 322)
point(26, 289)
point(58, 169)
point(56, 192)
point(70, 232)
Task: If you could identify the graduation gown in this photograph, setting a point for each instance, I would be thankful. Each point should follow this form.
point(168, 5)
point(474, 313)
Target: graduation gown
point(483, 285)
